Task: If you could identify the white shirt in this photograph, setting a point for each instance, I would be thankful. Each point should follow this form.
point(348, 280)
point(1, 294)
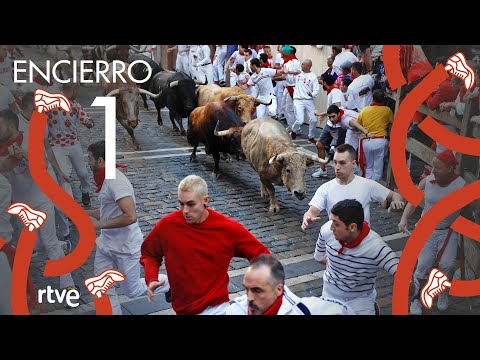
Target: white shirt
point(315, 305)
point(183, 49)
point(292, 65)
point(127, 239)
point(306, 83)
point(362, 84)
point(335, 96)
point(263, 81)
point(237, 59)
point(203, 55)
point(434, 193)
point(353, 135)
point(342, 58)
point(361, 189)
point(352, 273)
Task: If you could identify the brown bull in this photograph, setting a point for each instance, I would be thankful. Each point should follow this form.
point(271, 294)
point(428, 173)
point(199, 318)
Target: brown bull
point(126, 94)
point(236, 98)
point(270, 151)
point(218, 127)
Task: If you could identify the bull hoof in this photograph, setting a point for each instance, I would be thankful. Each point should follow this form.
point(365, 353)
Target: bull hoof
point(274, 209)
point(216, 175)
point(137, 147)
point(193, 159)
point(160, 123)
point(183, 133)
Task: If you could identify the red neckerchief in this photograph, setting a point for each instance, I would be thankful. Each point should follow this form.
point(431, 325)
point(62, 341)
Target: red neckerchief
point(266, 65)
point(452, 178)
point(363, 234)
point(99, 176)
point(273, 310)
point(270, 57)
point(376, 104)
point(334, 86)
point(287, 58)
point(6, 144)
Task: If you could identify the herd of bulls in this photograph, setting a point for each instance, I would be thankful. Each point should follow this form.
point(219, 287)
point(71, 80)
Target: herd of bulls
point(220, 118)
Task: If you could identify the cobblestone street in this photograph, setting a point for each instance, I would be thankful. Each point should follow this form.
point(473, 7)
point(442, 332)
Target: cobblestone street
point(164, 160)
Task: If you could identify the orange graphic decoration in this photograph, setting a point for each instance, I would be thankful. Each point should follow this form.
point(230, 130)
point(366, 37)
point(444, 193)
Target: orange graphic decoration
point(407, 188)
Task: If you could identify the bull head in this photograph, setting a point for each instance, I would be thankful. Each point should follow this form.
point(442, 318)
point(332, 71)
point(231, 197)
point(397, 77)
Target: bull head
point(222, 132)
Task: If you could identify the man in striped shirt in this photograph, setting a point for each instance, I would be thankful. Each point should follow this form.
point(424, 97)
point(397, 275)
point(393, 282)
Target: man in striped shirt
point(353, 254)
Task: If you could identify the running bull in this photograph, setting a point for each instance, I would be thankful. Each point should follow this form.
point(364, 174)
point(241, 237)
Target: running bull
point(270, 151)
point(218, 127)
point(177, 94)
point(243, 104)
point(126, 94)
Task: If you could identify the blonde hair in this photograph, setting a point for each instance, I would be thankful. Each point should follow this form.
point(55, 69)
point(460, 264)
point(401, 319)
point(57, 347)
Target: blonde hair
point(195, 184)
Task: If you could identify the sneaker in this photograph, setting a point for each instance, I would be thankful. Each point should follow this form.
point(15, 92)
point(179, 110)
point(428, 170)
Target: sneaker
point(46, 101)
point(68, 244)
point(293, 135)
point(99, 285)
point(86, 199)
point(31, 218)
point(442, 302)
point(436, 284)
point(320, 173)
point(416, 307)
point(457, 65)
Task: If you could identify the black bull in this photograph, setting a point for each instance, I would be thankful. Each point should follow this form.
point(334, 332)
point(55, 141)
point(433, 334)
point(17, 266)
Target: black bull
point(178, 95)
point(218, 127)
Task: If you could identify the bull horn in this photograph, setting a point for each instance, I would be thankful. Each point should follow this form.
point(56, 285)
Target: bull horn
point(264, 102)
point(230, 98)
point(114, 92)
point(173, 84)
point(89, 47)
point(198, 82)
point(153, 96)
point(272, 159)
point(315, 158)
point(111, 47)
point(220, 133)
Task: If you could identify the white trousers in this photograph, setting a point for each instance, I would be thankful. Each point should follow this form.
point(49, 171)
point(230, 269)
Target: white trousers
point(374, 151)
point(288, 109)
point(48, 238)
point(429, 253)
point(129, 266)
point(267, 110)
point(362, 305)
point(182, 63)
point(279, 93)
point(216, 310)
point(69, 158)
point(302, 107)
point(219, 66)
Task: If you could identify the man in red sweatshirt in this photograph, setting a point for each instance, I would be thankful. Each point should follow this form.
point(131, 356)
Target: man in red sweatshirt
point(198, 244)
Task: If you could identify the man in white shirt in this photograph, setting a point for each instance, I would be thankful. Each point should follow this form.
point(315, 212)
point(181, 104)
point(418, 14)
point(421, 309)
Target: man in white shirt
point(219, 60)
point(267, 294)
point(182, 63)
point(359, 92)
point(118, 246)
point(238, 57)
point(353, 254)
point(261, 79)
point(203, 64)
point(347, 185)
point(341, 58)
point(306, 89)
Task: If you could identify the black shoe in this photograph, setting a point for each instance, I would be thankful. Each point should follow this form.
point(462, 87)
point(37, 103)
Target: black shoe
point(293, 135)
point(86, 199)
point(168, 296)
